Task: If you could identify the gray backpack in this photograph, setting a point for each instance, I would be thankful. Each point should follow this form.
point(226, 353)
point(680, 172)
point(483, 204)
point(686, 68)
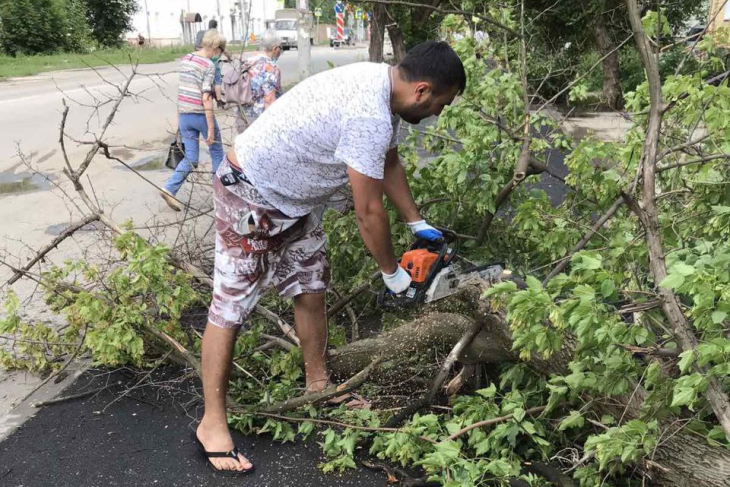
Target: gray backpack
point(237, 82)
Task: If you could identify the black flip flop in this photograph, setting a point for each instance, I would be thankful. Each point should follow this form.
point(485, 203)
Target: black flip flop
point(221, 454)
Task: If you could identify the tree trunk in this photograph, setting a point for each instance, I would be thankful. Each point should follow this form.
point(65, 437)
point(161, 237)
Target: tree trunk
point(421, 15)
point(377, 33)
point(432, 330)
point(687, 460)
point(398, 42)
point(611, 71)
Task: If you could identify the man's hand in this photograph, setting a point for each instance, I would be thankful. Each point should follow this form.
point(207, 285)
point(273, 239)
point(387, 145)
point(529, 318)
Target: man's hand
point(211, 136)
point(397, 282)
point(424, 231)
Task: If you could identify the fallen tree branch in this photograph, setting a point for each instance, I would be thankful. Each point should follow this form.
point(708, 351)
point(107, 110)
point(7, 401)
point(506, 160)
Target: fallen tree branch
point(648, 215)
point(355, 327)
point(670, 353)
point(465, 375)
point(493, 421)
point(342, 302)
point(72, 397)
point(177, 348)
point(279, 341)
point(159, 362)
point(583, 241)
point(334, 390)
point(332, 423)
point(523, 161)
point(54, 243)
point(701, 160)
point(440, 378)
point(285, 327)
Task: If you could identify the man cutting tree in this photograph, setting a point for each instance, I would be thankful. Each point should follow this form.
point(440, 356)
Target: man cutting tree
point(335, 128)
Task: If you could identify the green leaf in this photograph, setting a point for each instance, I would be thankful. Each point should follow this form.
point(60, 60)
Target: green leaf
point(672, 281)
point(589, 263)
point(488, 392)
point(518, 414)
point(607, 287)
point(533, 284)
point(501, 288)
point(719, 316)
point(686, 390)
point(573, 420)
point(687, 358)
point(683, 269)
point(306, 428)
point(683, 397)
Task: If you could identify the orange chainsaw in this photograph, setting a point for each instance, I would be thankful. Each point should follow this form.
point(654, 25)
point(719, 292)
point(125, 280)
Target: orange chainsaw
point(435, 272)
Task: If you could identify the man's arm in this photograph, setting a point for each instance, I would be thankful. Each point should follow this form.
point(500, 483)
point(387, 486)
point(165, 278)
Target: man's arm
point(372, 219)
point(396, 188)
point(399, 193)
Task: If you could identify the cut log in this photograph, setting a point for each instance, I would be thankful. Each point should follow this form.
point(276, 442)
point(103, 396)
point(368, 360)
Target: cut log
point(429, 331)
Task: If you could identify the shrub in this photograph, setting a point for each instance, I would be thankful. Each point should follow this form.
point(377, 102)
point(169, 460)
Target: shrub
point(42, 26)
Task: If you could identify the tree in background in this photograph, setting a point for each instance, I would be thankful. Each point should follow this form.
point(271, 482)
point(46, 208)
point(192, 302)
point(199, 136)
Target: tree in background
point(109, 19)
point(42, 26)
point(597, 25)
point(406, 27)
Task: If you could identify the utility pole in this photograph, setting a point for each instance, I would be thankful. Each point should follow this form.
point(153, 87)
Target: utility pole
point(147, 17)
point(304, 47)
point(244, 21)
point(220, 19)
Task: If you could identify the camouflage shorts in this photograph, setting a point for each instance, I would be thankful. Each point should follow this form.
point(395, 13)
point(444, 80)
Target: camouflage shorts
point(256, 248)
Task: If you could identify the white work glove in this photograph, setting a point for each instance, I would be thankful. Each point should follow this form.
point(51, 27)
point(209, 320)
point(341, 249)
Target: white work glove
point(424, 231)
point(398, 281)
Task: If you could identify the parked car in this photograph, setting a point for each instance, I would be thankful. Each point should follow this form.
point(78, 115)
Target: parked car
point(347, 40)
point(694, 34)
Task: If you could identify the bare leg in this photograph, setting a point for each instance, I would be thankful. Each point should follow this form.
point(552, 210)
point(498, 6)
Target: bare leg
point(311, 326)
point(213, 432)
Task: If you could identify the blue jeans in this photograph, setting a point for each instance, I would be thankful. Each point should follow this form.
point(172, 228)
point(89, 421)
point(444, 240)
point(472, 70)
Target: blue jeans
point(192, 127)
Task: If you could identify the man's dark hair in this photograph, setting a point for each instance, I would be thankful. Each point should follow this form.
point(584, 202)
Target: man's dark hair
point(213, 24)
point(435, 62)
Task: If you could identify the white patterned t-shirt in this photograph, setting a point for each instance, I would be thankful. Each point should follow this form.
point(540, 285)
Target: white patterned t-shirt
point(297, 153)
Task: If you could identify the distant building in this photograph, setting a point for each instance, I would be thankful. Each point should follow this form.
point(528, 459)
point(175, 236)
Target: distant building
point(172, 22)
point(719, 14)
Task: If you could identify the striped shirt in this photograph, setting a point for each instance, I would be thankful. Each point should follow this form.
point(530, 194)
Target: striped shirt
point(196, 78)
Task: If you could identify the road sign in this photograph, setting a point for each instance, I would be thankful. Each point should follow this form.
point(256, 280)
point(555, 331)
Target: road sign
point(340, 18)
point(317, 12)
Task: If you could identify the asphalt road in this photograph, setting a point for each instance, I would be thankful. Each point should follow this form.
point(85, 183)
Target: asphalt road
point(144, 439)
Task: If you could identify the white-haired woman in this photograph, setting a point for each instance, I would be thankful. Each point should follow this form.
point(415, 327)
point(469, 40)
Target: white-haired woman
point(195, 111)
point(265, 78)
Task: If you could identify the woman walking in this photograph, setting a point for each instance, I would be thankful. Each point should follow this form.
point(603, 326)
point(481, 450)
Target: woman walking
point(265, 77)
point(195, 108)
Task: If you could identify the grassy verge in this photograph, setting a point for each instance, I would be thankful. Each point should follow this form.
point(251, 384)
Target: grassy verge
point(11, 67)
point(29, 65)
